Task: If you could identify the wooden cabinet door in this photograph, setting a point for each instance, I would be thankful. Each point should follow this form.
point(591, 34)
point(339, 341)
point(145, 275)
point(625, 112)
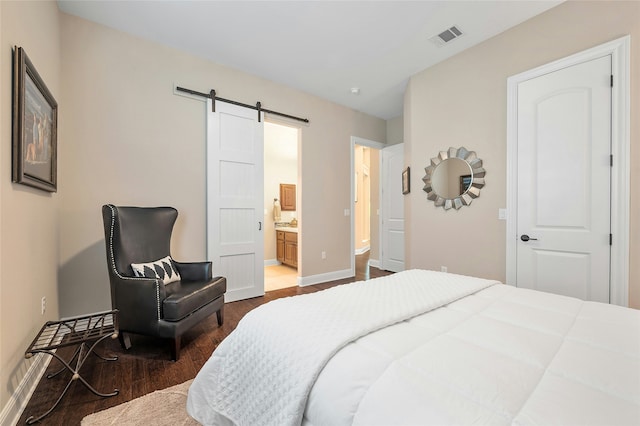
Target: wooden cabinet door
point(280, 246)
point(280, 250)
point(287, 196)
point(291, 253)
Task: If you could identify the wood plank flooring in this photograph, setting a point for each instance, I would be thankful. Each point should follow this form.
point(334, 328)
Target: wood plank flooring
point(147, 367)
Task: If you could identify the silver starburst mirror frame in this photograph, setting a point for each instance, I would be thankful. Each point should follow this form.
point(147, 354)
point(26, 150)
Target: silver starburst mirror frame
point(471, 191)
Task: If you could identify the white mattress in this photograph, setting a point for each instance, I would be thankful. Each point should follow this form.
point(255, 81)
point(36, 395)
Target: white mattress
point(501, 356)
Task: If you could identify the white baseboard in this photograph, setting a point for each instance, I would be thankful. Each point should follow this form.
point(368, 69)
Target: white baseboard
point(375, 263)
point(18, 401)
point(323, 278)
point(271, 262)
point(362, 250)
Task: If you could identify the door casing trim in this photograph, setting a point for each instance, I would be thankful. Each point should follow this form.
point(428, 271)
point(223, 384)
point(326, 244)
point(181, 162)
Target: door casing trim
point(619, 50)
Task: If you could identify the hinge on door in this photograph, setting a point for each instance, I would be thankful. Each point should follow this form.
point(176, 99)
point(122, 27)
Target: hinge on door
point(611, 160)
point(610, 239)
point(611, 80)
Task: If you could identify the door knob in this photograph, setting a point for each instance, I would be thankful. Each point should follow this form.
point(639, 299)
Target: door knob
point(525, 238)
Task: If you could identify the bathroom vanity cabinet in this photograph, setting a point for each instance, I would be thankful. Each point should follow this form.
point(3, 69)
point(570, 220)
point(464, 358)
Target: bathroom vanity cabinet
point(287, 248)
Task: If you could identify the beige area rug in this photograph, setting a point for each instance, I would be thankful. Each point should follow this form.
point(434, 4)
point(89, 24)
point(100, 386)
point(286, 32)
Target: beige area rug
point(164, 407)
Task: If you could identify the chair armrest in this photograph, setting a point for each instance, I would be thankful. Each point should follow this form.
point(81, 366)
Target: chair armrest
point(194, 271)
point(139, 302)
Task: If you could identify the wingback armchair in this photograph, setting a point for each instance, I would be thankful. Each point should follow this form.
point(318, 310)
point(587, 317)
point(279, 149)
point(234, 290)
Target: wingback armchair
point(155, 295)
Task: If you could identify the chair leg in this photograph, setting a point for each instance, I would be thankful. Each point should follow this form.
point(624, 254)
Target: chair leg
point(220, 314)
point(125, 340)
point(175, 348)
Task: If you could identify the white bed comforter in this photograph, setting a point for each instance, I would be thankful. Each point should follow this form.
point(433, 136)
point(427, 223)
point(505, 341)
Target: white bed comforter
point(501, 356)
point(262, 373)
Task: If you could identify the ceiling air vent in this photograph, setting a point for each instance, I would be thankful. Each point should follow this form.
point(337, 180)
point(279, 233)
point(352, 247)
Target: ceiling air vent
point(446, 36)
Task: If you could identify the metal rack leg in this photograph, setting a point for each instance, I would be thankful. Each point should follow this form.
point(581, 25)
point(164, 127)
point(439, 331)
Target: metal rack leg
point(33, 419)
point(75, 354)
point(82, 357)
point(81, 353)
point(106, 358)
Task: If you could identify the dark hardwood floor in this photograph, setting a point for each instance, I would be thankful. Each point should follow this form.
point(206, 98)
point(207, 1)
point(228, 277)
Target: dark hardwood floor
point(147, 367)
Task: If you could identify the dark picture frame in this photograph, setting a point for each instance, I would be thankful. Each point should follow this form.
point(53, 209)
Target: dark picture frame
point(35, 127)
point(406, 181)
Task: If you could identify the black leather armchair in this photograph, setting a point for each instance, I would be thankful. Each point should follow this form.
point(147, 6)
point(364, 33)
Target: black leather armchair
point(146, 305)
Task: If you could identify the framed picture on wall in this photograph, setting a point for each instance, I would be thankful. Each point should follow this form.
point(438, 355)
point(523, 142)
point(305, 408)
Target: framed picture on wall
point(35, 125)
point(406, 181)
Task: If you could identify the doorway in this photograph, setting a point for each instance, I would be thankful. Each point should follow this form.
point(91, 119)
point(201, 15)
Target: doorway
point(366, 185)
point(281, 154)
point(365, 197)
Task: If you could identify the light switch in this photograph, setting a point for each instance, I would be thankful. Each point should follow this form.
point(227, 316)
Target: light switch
point(347, 212)
point(502, 214)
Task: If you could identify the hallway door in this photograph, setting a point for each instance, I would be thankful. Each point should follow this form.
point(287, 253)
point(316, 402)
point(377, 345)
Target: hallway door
point(392, 234)
point(564, 179)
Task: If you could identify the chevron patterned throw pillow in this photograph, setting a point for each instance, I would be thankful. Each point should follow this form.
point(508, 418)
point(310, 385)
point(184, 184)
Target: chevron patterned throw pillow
point(163, 269)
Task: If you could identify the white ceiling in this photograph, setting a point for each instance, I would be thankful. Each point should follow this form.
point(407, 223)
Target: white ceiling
point(320, 47)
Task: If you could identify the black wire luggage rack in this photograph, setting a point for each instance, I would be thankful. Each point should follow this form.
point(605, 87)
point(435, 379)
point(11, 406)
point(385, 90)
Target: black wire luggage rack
point(84, 331)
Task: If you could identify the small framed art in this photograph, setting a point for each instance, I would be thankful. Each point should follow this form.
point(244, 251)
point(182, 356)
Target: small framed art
point(406, 181)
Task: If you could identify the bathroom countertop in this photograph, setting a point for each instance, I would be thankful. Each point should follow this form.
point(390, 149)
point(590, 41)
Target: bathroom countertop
point(287, 229)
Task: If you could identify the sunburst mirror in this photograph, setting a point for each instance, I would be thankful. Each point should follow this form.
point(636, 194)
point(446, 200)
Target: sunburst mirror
point(454, 178)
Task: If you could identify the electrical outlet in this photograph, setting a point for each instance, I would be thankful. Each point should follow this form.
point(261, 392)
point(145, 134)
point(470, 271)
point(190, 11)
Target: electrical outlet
point(43, 305)
point(443, 269)
point(323, 254)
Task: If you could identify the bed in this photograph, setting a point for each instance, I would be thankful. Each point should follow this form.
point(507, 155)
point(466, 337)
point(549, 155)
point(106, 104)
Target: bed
point(424, 347)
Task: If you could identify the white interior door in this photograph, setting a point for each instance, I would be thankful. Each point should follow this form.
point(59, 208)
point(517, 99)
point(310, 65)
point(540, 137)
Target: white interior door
point(235, 169)
point(564, 177)
point(392, 235)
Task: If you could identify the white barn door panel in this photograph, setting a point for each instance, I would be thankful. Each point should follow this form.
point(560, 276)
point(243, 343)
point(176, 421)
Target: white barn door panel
point(235, 168)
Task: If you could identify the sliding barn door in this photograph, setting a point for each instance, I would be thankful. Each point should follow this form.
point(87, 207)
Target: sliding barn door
point(235, 168)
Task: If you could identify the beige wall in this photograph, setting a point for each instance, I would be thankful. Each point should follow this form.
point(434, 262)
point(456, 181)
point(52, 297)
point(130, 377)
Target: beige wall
point(280, 166)
point(473, 86)
point(28, 217)
point(395, 131)
point(132, 141)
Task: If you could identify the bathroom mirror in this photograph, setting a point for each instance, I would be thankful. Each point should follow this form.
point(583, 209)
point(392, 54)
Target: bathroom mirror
point(454, 178)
